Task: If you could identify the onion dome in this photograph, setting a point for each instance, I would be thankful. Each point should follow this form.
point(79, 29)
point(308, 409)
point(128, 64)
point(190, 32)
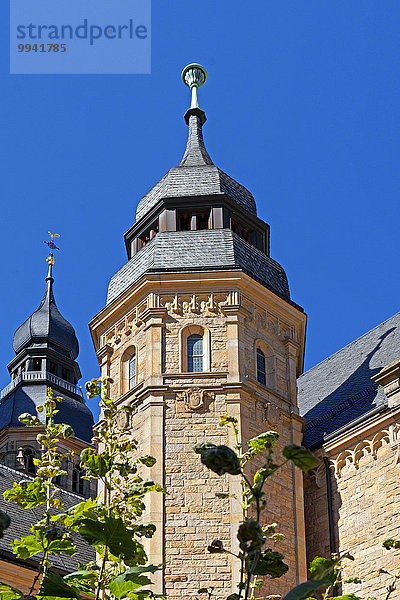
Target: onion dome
point(47, 326)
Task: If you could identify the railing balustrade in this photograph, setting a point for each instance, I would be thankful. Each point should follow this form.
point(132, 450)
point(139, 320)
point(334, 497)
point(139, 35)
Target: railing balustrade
point(41, 376)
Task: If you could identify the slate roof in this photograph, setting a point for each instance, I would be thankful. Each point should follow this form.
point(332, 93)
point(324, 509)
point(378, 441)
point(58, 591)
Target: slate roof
point(21, 520)
point(339, 389)
point(47, 324)
point(196, 176)
point(209, 249)
point(25, 398)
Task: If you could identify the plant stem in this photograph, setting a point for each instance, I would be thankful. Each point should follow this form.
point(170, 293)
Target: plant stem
point(41, 570)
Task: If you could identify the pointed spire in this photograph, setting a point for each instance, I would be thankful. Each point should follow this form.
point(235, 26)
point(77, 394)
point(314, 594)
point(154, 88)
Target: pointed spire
point(194, 76)
point(50, 261)
point(49, 280)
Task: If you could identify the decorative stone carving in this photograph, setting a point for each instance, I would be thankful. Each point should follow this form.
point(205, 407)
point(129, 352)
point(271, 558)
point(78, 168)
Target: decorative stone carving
point(153, 300)
point(272, 413)
point(319, 474)
point(193, 305)
point(194, 398)
point(210, 306)
point(175, 306)
point(352, 457)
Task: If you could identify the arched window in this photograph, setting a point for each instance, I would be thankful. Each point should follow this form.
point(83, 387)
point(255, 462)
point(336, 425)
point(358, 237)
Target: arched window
point(128, 370)
point(261, 371)
point(79, 485)
point(195, 353)
point(132, 371)
point(28, 461)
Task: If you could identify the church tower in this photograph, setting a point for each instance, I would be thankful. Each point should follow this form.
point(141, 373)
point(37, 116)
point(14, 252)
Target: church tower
point(46, 349)
point(199, 323)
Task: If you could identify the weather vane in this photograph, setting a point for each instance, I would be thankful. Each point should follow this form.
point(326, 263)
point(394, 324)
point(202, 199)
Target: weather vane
point(50, 259)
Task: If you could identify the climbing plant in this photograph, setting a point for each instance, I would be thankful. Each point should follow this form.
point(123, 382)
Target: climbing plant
point(109, 523)
point(256, 539)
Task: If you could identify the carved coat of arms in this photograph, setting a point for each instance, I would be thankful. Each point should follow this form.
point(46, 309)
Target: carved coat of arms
point(193, 398)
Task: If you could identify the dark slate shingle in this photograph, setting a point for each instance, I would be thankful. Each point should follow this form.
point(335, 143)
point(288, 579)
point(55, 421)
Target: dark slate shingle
point(340, 389)
point(22, 519)
point(200, 250)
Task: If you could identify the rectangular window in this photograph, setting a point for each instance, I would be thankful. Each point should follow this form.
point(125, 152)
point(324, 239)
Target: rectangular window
point(65, 374)
point(132, 372)
point(53, 368)
point(203, 220)
point(195, 353)
point(185, 221)
point(37, 364)
point(261, 373)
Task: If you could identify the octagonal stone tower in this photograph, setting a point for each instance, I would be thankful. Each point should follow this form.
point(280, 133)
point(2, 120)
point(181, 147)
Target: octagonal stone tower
point(199, 324)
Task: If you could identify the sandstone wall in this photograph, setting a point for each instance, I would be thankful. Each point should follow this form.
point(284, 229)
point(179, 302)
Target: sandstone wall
point(366, 505)
point(174, 410)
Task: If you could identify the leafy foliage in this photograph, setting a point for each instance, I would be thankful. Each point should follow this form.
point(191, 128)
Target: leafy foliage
point(221, 460)
point(301, 457)
point(27, 494)
point(54, 585)
point(7, 592)
point(391, 543)
point(109, 526)
point(257, 560)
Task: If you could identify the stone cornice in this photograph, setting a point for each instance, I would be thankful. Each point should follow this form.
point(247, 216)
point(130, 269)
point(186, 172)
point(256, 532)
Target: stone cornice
point(362, 432)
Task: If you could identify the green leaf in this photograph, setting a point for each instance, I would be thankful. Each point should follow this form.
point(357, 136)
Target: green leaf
point(264, 441)
point(353, 580)
point(301, 457)
point(216, 547)
point(97, 465)
point(112, 533)
point(229, 421)
point(303, 590)
point(27, 494)
point(250, 535)
point(324, 568)
point(203, 446)
point(146, 530)
point(27, 546)
point(9, 593)
point(121, 585)
point(391, 543)
point(221, 460)
point(147, 460)
point(82, 575)
point(64, 546)
point(54, 585)
point(131, 580)
point(28, 419)
point(270, 563)
point(143, 569)
point(67, 431)
point(346, 597)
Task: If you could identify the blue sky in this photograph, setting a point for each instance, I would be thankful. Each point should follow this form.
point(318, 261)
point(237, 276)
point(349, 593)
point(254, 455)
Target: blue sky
point(302, 101)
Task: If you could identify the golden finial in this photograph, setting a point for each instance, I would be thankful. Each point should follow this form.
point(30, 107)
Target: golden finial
point(50, 259)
